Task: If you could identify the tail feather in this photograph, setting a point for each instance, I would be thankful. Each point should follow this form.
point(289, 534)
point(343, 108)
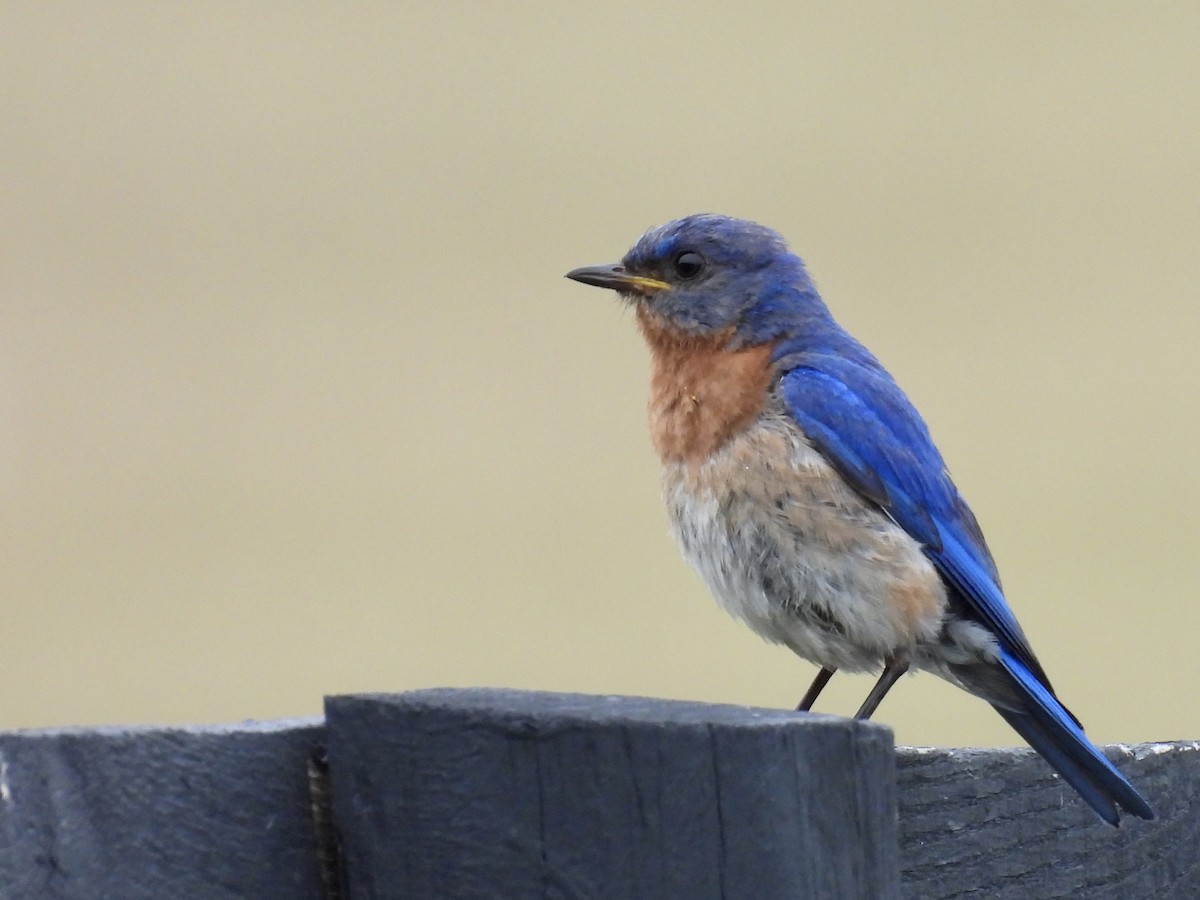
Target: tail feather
point(1053, 732)
point(1041, 740)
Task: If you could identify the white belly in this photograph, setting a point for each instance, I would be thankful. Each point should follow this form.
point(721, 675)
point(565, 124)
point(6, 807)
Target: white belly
point(786, 546)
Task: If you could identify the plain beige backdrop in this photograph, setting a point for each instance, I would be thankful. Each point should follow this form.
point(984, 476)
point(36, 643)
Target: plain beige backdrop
point(294, 399)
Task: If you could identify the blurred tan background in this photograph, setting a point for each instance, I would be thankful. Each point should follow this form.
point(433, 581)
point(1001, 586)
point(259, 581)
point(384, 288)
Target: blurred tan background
point(294, 399)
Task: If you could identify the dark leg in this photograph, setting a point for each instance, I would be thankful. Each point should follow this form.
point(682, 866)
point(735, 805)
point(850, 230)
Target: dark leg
point(892, 671)
point(814, 689)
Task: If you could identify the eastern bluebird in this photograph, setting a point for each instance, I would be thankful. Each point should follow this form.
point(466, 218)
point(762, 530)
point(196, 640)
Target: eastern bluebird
point(805, 489)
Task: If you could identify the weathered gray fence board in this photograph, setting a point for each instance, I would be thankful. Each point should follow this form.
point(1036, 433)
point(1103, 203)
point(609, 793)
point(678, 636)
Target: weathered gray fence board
point(462, 794)
point(999, 823)
point(197, 813)
point(484, 794)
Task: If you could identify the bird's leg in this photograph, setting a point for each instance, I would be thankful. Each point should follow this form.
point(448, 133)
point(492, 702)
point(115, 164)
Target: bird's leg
point(814, 689)
point(892, 670)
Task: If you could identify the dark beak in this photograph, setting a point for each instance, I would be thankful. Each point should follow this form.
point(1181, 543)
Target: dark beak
point(617, 279)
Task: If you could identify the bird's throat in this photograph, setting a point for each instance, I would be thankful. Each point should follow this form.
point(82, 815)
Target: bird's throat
point(702, 392)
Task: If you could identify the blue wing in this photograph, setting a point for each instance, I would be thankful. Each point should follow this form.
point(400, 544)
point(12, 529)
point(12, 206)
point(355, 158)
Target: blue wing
point(859, 419)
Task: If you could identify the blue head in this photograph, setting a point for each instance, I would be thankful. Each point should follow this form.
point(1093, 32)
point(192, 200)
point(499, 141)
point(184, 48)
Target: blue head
point(708, 275)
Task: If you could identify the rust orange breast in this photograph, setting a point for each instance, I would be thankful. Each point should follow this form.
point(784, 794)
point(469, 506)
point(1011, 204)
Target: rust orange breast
point(701, 392)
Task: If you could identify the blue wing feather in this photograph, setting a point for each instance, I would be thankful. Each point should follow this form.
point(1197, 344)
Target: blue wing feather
point(860, 420)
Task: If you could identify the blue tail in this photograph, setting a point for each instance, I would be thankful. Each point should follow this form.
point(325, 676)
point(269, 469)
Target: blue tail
point(1054, 733)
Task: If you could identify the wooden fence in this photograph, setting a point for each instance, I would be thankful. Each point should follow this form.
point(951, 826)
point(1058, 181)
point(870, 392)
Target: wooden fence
point(506, 794)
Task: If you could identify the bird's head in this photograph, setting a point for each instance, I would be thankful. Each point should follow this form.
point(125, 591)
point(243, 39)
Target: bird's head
point(707, 275)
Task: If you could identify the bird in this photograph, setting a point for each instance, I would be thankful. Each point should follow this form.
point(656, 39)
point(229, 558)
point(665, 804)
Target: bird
point(803, 486)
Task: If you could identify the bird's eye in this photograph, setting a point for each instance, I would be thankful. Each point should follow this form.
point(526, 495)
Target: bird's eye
point(688, 264)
